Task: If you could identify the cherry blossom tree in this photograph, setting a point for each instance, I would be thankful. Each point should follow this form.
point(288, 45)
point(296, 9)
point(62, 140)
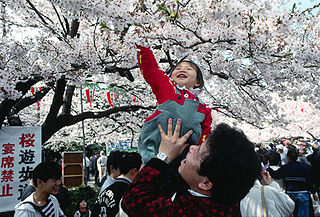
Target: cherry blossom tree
point(255, 55)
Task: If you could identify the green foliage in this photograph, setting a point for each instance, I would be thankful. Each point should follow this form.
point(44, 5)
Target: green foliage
point(78, 194)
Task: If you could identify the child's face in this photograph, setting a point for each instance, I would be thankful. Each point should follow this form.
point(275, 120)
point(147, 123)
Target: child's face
point(83, 204)
point(185, 75)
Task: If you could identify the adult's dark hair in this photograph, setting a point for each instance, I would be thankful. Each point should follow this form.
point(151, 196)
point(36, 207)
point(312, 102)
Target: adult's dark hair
point(194, 66)
point(129, 161)
point(262, 155)
point(274, 158)
point(292, 154)
point(45, 171)
point(232, 164)
point(315, 149)
point(113, 160)
point(271, 145)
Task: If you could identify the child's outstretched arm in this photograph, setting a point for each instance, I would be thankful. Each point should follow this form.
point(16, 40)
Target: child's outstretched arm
point(147, 62)
point(160, 83)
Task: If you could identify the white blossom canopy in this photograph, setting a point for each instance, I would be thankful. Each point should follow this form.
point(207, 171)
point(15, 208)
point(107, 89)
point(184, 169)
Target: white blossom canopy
point(261, 59)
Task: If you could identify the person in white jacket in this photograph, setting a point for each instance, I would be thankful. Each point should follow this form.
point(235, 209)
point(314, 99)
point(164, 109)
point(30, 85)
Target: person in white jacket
point(47, 180)
point(102, 165)
point(277, 203)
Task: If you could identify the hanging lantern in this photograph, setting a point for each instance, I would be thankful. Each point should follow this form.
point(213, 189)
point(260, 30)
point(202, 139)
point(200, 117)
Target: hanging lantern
point(109, 99)
point(134, 100)
point(90, 96)
point(33, 92)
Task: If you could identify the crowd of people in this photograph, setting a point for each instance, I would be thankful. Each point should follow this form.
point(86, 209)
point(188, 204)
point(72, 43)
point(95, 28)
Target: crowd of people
point(226, 175)
point(295, 172)
point(184, 168)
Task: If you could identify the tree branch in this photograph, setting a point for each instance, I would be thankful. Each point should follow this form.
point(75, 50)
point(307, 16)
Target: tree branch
point(66, 108)
point(74, 28)
point(312, 135)
point(57, 100)
point(37, 12)
point(27, 101)
point(51, 126)
point(60, 21)
point(7, 104)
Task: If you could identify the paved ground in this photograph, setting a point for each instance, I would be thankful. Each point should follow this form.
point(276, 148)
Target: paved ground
point(92, 184)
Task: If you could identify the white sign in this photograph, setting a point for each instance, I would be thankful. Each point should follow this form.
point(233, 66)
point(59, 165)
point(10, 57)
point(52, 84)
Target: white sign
point(122, 145)
point(20, 149)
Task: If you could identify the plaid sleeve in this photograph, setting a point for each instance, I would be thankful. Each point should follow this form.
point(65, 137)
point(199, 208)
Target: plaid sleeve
point(144, 197)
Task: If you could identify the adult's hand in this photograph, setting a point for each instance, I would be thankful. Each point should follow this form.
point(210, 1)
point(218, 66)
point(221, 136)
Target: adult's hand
point(266, 178)
point(171, 144)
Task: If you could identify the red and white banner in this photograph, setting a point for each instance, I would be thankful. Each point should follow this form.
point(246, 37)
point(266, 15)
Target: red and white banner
point(20, 154)
point(33, 92)
point(110, 97)
point(134, 100)
point(90, 96)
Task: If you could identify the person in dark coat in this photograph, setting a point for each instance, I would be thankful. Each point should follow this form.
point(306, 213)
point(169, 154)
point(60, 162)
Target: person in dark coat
point(107, 204)
point(314, 159)
point(29, 189)
point(298, 182)
point(64, 197)
point(93, 167)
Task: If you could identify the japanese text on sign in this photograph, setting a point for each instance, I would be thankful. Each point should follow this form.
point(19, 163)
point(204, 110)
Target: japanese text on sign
point(20, 152)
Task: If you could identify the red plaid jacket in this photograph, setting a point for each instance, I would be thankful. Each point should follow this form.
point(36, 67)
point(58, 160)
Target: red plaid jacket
point(145, 198)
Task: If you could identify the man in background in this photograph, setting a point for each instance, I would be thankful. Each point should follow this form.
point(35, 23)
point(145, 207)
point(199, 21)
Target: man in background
point(47, 179)
point(93, 167)
point(314, 159)
point(102, 165)
point(29, 189)
point(298, 182)
point(107, 203)
point(113, 162)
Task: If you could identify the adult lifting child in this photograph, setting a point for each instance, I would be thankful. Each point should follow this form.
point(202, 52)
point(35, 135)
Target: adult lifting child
point(177, 97)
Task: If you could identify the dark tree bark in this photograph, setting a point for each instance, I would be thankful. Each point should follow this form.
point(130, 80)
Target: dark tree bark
point(53, 125)
point(27, 101)
point(7, 104)
point(68, 100)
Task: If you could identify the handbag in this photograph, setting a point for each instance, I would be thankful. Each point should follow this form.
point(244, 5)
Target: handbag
point(263, 202)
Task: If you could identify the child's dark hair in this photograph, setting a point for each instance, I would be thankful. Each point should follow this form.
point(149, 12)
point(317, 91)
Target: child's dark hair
point(45, 171)
point(80, 200)
point(194, 66)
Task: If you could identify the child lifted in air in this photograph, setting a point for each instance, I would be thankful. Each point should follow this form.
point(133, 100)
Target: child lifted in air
point(176, 94)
